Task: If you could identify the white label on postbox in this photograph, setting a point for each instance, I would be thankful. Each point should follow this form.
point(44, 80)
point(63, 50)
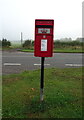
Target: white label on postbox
point(43, 44)
point(43, 30)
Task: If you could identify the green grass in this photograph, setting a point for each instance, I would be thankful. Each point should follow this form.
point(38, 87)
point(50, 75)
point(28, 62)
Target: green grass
point(62, 94)
point(27, 50)
point(68, 50)
point(13, 46)
point(59, 50)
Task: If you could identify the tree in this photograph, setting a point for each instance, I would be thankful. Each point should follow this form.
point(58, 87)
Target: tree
point(32, 43)
point(5, 43)
point(27, 44)
point(0, 43)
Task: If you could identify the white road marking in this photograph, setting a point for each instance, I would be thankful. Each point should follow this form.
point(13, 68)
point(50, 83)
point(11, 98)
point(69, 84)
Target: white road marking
point(12, 64)
point(74, 65)
point(16, 56)
point(40, 64)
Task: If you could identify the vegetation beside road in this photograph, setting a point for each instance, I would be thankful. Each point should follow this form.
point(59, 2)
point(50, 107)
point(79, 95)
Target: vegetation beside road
point(62, 94)
point(59, 50)
point(59, 46)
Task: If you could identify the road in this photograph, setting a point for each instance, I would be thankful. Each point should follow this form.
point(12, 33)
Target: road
point(16, 62)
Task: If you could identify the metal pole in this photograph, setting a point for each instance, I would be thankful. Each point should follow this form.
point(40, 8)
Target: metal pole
point(42, 78)
point(21, 39)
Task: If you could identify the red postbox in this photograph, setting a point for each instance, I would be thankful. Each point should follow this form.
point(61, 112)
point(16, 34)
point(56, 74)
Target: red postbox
point(43, 37)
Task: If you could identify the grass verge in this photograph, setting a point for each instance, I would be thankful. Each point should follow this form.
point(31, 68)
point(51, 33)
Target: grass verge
point(62, 94)
point(58, 50)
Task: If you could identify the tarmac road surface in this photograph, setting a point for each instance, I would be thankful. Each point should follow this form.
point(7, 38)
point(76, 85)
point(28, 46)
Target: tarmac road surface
point(16, 62)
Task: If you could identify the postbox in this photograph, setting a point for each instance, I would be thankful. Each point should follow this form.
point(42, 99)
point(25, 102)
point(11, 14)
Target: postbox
point(43, 46)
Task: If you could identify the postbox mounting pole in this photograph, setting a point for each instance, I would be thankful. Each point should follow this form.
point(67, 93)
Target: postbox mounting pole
point(42, 78)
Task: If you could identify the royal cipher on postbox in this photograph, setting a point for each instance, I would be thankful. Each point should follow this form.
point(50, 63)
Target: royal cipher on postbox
point(43, 38)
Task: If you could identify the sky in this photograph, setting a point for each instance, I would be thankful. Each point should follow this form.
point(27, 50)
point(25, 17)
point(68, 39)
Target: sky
point(18, 16)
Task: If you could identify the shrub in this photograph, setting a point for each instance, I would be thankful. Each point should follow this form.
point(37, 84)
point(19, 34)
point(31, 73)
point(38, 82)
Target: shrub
point(0, 43)
point(5, 43)
point(62, 44)
point(27, 44)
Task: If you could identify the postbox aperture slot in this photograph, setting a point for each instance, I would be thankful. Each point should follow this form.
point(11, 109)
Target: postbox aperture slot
point(44, 26)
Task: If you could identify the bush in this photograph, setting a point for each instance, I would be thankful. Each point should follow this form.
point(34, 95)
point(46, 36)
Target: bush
point(5, 43)
point(33, 43)
point(27, 44)
point(0, 43)
point(62, 44)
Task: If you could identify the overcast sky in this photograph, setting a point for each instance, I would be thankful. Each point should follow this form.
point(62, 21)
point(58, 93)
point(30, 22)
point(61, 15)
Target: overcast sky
point(18, 16)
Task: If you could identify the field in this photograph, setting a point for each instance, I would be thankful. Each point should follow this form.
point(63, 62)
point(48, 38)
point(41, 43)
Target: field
point(62, 94)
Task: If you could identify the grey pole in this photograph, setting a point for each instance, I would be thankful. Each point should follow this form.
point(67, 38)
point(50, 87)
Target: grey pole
point(21, 39)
